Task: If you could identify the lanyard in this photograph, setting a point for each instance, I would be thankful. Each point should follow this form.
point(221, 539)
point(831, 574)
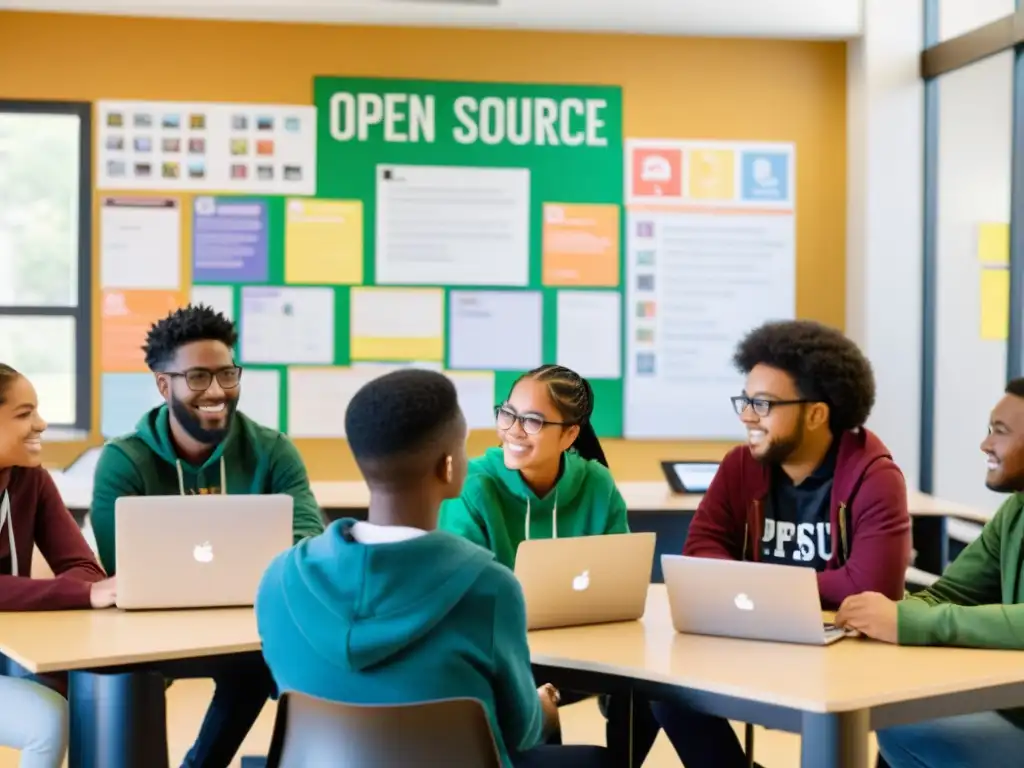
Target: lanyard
point(8, 518)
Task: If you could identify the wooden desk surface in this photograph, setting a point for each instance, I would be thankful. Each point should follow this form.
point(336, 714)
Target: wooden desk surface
point(808, 678)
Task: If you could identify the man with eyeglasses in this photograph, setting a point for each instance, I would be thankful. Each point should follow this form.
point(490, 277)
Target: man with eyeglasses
point(811, 488)
point(198, 443)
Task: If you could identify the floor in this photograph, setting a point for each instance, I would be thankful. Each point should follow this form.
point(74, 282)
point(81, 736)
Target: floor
point(581, 723)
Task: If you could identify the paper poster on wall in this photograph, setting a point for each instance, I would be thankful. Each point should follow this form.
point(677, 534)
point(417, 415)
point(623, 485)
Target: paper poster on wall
point(140, 243)
point(206, 147)
point(397, 324)
point(994, 243)
point(125, 398)
point(995, 303)
point(710, 254)
point(452, 226)
point(319, 397)
point(323, 242)
point(259, 396)
point(590, 333)
point(475, 390)
point(581, 245)
point(219, 298)
point(287, 325)
point(494, 330)
point(125, 320)
point(230, 240)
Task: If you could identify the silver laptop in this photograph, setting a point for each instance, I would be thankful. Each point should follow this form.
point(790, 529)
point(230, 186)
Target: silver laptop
point(755, 601)
point(197, 551)
point(585, 579)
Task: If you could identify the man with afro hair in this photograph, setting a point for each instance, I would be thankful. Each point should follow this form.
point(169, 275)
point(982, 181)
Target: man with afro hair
point(812, 487)
point(196, 442)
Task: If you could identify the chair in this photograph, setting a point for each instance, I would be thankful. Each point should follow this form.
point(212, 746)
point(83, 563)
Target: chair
point(312, 732)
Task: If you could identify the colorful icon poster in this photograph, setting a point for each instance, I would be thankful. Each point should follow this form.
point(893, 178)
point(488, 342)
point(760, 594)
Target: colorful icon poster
point(230, 240)
point(581, 245)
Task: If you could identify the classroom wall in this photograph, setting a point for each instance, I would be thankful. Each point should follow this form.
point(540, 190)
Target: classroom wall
point(672, 88)
point(975, 134)
point(884, 225)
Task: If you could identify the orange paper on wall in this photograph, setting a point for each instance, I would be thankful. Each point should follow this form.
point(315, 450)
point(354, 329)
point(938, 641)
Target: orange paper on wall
point(581, 244)
point(125, 321)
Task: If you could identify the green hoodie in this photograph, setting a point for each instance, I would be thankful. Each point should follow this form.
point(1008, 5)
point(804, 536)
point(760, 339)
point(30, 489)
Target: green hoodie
point(497, 509)
point(430, 617)
point(979, 601)
point(252, 459)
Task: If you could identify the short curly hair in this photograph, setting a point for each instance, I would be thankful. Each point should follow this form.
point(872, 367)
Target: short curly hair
point(825, 365)
point(195, 322)
point(393, 419)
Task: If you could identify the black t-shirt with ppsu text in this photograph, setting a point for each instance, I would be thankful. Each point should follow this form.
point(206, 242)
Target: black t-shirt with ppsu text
point(797, 529)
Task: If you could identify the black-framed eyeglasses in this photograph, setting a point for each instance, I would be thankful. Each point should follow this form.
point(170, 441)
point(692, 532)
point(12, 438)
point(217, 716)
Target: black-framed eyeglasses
point(200, 379)
point(761, 406)
point(531, 423)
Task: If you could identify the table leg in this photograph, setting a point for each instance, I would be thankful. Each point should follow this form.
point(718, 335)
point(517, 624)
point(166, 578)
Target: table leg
point(118, 720)
point(838, 740)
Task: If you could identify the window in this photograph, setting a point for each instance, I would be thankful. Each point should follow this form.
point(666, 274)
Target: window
point(45, 246)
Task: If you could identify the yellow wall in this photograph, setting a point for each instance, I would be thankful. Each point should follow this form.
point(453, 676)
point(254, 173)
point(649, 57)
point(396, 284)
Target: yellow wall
point(672, 87)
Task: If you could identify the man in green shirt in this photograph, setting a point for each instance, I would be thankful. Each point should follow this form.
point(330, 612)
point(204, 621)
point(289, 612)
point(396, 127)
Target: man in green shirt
point(978, 603)
point(198, 443)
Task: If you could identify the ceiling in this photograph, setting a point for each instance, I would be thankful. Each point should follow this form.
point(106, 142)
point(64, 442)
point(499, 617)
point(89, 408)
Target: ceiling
point(798, 19)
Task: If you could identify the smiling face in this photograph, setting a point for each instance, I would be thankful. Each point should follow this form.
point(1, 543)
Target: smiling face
point(780, 434)
point(21, 426)
point(531, 402)
point(1004, 446)
point(197, 386)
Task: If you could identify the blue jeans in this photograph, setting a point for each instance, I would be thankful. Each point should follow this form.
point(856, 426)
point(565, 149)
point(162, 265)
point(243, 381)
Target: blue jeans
point(700, 740)
point(983, 739)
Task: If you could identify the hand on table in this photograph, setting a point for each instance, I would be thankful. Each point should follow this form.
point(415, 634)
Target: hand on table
point(103, 594)
point(870, 613)
point(549, 698)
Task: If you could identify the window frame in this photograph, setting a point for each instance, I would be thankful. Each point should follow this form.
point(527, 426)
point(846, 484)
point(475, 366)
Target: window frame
point(82, 312)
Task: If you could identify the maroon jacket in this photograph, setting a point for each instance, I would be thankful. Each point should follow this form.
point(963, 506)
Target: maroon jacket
point(869, 516)
point(41, 519)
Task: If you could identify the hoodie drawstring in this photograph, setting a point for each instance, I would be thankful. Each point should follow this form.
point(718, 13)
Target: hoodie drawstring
point(8, 518)
point(554, 519)
point(181, 478)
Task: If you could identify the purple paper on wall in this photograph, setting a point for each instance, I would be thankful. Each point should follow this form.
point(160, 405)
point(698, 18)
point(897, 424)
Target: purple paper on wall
point(229, 240)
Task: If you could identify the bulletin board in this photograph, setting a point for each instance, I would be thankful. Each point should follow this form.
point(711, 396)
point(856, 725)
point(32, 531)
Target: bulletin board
point(473, 228)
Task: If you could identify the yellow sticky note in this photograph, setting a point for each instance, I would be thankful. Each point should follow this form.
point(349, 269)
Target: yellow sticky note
point(323, 242)
point(397, 324)
point(993, 243)
point(995, 303)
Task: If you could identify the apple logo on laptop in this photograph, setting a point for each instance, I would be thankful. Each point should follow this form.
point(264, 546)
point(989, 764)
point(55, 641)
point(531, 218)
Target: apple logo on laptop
point(743, 602)
point(581, 582)
point(203, 553)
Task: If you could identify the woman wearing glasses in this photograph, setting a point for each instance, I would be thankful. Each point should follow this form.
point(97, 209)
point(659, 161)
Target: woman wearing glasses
point(548, 479)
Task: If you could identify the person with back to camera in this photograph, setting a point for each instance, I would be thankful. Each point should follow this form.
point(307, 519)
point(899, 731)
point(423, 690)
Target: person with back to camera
point(548, 479)
point(394, 611)
point(811, 488)
point(33, 717)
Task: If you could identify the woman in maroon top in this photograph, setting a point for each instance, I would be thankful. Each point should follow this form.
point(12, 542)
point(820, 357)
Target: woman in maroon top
point(33, 718)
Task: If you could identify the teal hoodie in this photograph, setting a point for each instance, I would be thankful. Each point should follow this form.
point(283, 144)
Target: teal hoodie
point(252, 459)
point(498, 511)
point(432, 617)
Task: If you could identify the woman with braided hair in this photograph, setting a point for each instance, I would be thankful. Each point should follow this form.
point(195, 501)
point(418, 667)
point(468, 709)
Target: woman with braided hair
point(548, 478)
